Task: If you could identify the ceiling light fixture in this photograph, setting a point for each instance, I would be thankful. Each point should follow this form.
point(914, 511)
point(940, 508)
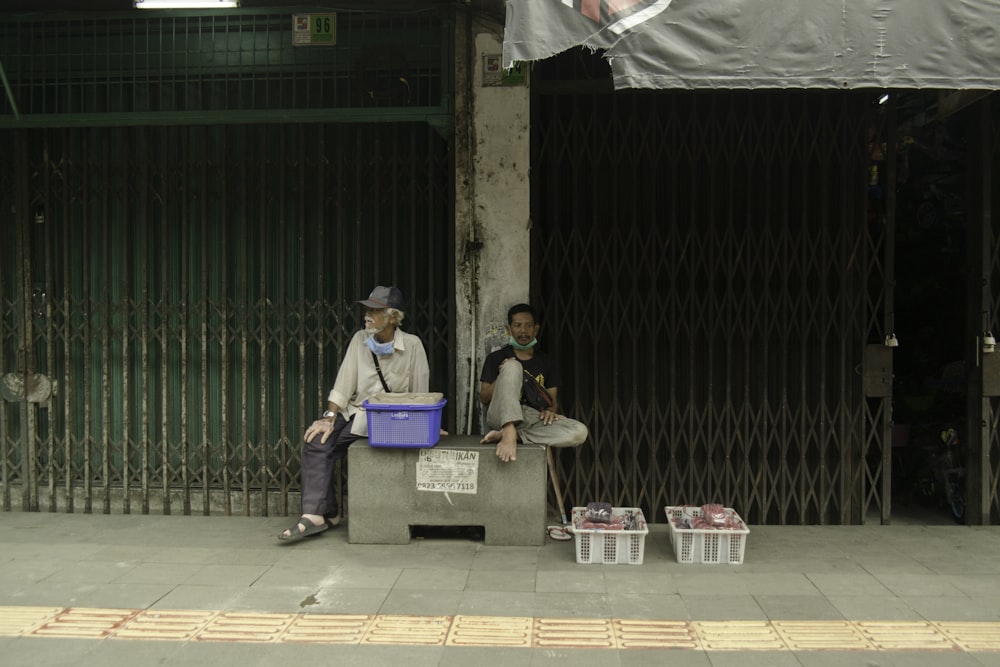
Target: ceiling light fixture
point(186, 4)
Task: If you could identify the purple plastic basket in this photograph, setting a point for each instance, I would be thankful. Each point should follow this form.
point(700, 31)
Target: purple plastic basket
point(403, 425)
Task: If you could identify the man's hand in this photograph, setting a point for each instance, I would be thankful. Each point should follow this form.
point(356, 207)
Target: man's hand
point(548, 416)
point(324, 426)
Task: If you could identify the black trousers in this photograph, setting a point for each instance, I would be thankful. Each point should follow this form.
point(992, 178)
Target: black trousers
point(319, 495)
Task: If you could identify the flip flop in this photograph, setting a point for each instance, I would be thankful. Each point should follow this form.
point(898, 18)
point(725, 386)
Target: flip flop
point(294, 534)
point(560, 533)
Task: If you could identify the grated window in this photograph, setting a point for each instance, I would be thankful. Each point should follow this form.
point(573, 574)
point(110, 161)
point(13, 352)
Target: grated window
point(231, 62)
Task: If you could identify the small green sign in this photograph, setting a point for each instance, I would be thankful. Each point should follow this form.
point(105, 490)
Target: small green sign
point(314, 29)
point(516, 75)
point(324, 29)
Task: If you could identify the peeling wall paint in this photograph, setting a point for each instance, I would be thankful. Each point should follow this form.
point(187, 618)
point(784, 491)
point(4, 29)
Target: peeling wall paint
point(492, 214)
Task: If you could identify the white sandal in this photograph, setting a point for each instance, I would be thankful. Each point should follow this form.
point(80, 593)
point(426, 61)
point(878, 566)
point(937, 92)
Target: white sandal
point(561, 533)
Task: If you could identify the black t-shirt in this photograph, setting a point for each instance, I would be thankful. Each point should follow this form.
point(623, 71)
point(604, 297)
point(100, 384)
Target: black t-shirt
point(541, 366)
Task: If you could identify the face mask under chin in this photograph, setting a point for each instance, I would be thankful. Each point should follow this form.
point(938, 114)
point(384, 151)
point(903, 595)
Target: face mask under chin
point(381, 349)
point(517, 346)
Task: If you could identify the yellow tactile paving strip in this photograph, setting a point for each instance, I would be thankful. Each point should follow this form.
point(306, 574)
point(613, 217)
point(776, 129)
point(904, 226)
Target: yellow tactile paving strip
point(498, 631)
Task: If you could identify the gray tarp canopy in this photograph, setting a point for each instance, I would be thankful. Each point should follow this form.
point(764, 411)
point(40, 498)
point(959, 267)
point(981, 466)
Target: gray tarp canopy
point(948, 44)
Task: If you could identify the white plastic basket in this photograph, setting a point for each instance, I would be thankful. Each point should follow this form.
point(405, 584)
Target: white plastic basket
point(596, 545)
point(706, 545)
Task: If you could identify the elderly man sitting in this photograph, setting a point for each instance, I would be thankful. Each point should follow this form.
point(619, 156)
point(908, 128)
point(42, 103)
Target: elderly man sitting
point(381, 357)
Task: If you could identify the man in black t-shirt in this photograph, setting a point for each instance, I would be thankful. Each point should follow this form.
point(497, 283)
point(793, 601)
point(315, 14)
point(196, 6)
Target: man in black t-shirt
point(508, 415)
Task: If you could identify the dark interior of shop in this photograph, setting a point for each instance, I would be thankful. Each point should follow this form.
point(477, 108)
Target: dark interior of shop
point(929, 393)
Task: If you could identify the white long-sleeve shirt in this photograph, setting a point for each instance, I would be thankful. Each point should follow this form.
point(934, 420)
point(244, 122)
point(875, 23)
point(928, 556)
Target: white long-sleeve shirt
point(405, 370)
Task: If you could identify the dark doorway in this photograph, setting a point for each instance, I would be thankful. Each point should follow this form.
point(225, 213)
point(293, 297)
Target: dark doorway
point(704, 260)
point(931, 373)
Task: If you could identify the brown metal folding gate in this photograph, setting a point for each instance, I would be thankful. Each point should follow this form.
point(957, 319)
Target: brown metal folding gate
point(711, 276)
point(176, 299)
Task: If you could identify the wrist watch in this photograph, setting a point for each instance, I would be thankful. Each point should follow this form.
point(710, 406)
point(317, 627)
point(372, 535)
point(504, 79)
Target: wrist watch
point(328, 414)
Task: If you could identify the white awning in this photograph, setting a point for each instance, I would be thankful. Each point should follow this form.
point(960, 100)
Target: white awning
point(705, 44)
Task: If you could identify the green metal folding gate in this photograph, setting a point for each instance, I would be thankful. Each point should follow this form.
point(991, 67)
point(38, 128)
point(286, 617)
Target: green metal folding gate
point(726, 342)
point(188, 292)
point(189, 207)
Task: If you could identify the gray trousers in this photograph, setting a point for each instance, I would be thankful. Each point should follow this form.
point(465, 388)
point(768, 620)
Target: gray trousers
point(319, 493)
point(505, 407)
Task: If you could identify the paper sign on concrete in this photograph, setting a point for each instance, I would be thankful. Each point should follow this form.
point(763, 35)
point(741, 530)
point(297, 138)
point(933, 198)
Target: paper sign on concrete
point(448, 470)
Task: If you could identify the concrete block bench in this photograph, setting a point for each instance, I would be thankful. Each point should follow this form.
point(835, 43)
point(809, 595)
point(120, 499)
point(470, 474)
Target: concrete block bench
point(458, 482)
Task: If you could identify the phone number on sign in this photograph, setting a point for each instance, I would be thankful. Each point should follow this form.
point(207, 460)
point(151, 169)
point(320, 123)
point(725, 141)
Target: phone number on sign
point(446, 486)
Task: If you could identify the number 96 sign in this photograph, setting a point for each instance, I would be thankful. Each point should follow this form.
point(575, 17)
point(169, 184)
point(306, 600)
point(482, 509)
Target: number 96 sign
point(314, 29)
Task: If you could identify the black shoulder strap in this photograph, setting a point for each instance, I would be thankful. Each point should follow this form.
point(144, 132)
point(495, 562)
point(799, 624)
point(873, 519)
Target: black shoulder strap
point(378, 369)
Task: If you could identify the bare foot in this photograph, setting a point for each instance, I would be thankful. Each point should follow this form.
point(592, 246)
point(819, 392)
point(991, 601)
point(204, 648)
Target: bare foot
point(507, 447)
point(492, 436)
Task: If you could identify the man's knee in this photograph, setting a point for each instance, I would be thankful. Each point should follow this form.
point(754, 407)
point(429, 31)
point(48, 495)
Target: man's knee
point(316, 448)
point(511, 373)
point(576, 434)
point(511, 365)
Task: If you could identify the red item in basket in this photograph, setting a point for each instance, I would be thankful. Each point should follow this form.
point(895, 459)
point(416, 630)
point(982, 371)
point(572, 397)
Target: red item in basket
point(715, 517)
point(614, 524)
point(715, 514)
point(598, 512)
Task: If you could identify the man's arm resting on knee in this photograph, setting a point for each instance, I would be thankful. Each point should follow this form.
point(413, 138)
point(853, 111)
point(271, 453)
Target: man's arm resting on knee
point(323, 425)
point(486, 392)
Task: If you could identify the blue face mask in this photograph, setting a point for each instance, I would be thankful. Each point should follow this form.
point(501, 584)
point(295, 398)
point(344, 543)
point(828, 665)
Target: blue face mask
point(381, 349)
point(517, 346)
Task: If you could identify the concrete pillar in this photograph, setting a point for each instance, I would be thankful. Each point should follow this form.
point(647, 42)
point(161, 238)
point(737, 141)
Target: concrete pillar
point(492, 207)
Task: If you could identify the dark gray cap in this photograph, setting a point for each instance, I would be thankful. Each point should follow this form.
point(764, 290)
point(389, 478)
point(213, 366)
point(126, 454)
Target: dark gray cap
point(384, 297)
